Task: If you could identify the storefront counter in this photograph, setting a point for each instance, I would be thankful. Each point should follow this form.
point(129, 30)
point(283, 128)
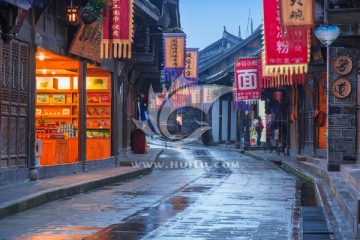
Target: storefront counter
point(61, 151)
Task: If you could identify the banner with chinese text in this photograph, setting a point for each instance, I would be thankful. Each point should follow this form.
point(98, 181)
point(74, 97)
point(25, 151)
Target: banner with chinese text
point(297, 16)
point(191, 64)
point(174, 55)
point(297, 13)
point(285, 65)
point(247, 79)
point(195, 93)
point(117, 29)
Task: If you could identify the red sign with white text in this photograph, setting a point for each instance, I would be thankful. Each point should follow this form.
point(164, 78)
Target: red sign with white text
point(247, 79)
point(277, 48)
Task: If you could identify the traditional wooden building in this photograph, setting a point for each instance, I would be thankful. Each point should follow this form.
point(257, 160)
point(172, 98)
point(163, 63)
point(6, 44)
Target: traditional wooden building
point(216, 66)
point(331, 122)
point(63, 109)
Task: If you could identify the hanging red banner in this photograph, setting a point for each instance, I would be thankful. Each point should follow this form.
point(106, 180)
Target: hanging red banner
point(174, 55)
point(286, 65)
point(117, 29)
point(247, 79)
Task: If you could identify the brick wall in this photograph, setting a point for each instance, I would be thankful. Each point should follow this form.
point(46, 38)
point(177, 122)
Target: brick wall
point(342, 114)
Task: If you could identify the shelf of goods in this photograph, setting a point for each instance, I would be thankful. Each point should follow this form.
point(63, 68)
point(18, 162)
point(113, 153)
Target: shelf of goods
point(57, 121)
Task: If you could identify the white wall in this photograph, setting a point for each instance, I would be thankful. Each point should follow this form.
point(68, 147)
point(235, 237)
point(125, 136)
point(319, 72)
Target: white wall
point(215, 121)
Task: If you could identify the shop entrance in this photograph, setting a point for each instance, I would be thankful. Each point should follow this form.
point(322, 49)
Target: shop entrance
point(57, 110)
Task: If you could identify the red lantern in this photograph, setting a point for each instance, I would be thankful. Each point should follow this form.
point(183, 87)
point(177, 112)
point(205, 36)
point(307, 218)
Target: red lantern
point(278, 95)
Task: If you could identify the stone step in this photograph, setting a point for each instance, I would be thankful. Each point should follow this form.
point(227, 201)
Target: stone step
point(318, 169)
point(352, 174)
point(315, 160)
point(347, 197)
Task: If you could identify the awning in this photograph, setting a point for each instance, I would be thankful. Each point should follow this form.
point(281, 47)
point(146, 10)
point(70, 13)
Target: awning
point(24, 4)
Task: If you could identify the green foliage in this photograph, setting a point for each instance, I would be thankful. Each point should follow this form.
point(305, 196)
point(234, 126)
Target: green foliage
point(96, 7)
point(174, 30)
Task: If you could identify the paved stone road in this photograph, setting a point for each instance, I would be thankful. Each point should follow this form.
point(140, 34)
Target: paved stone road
point(202, 194)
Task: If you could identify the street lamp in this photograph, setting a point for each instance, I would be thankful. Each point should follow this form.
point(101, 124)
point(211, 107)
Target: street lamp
point(327, 34)
point(72, 14)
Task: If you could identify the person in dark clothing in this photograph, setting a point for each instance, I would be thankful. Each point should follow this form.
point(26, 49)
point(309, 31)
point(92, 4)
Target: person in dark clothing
point(259, 128)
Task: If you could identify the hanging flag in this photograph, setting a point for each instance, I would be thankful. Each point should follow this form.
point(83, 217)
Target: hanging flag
point(296, 16)
point(181, 93)
point(207, 97)
point(247, 80)
point(284, 64)
point(117, 29)
point(191, 64)
point(174, 55)
point(195, 93)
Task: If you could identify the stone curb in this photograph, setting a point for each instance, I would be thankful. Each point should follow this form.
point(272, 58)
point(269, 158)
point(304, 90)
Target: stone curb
point(39, 198)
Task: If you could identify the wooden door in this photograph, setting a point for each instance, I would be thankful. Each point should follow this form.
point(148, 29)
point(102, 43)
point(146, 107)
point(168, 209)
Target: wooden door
point(14, 83)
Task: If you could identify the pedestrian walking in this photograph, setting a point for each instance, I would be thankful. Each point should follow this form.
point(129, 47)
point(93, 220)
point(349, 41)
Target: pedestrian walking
point(259, 128)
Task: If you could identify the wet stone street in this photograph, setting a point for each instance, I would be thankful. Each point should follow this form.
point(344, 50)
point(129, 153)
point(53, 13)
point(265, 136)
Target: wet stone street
point(193, 193)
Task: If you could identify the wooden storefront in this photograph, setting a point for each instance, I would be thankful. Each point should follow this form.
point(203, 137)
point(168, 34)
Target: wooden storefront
point(57, 110)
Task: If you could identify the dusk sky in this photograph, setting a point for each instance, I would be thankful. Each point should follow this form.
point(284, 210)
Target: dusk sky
point(203, 21)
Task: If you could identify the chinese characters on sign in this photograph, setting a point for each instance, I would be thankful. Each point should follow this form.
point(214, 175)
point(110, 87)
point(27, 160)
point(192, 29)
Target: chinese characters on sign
point(117, 29)
point(207, 94)
point(174, 55)
point(297, 13)
point(174, 52)
point(247, 82)
point(284, 62)
point(277, 49)
point(342, 65)
point(341, 87)
point(191, 63)
point(195, 93)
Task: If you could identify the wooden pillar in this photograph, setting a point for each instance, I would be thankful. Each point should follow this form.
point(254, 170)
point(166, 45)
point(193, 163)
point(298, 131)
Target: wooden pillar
point(358, 120)
point(114, 119)
point(82, 115)
point(239, 129)
point(32, 97)
point(247, 131)
point(125, 112)
point(147, 39)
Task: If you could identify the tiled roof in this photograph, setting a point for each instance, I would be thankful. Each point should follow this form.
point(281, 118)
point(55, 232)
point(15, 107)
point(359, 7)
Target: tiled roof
point(210, 56)
point(148, 7)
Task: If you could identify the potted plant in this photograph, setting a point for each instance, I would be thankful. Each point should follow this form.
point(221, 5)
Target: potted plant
point(93, 11)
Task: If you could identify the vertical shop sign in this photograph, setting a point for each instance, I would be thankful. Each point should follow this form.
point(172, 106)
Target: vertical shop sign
point(195, 93)
point(207, 95)
point(117, 29)
point(174, 55)
point(247, 81)
point(191, 64)
point(297, 13)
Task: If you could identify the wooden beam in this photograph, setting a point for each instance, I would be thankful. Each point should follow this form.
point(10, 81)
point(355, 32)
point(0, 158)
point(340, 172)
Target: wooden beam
point(70, 64)
point(344, 16)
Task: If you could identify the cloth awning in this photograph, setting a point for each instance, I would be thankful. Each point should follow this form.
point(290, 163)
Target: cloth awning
point(24, 4)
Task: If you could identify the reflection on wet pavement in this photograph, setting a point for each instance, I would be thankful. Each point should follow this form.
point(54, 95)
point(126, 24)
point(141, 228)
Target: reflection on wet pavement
point(146, 221)
point(206, 194)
